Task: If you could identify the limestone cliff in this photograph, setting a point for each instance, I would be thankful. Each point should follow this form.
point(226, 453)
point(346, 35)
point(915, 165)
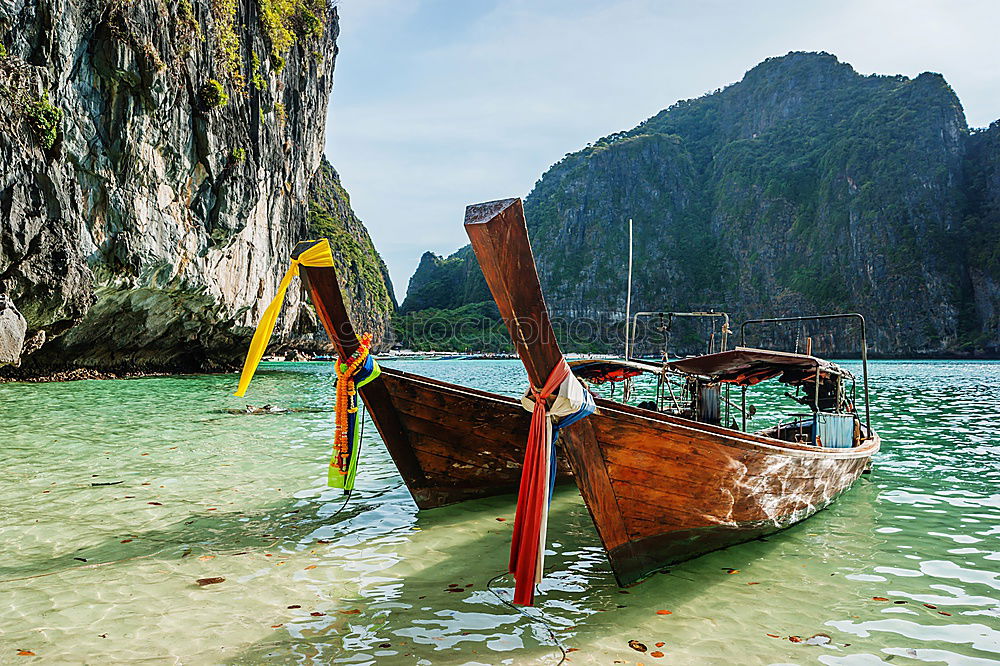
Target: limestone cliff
point(157, 162)
point(982, 227)
point(363, 274)
point(445, 282)
point(804, 188)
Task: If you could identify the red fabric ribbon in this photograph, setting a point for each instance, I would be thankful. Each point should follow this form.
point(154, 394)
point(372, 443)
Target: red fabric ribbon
point(533, 494)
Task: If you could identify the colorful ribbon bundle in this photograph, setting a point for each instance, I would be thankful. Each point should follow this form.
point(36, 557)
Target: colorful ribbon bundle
point(351, 375)
point(538, 473)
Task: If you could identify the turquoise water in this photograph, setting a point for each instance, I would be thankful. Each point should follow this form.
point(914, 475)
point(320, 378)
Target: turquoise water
point(102, 574)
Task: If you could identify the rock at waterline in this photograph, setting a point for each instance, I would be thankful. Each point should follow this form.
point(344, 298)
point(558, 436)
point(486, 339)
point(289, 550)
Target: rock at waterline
point(266, 409)
point(12, 330)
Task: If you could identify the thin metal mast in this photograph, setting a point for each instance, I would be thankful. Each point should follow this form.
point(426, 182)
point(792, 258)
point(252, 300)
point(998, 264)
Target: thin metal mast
point(628, 294)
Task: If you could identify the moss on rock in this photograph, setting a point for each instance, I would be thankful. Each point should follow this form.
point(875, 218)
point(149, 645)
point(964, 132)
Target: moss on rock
point(212, 95)
point(44, 119)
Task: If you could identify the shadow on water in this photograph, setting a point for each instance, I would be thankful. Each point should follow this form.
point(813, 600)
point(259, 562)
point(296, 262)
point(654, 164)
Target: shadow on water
point(434, 604)
point(289, 521)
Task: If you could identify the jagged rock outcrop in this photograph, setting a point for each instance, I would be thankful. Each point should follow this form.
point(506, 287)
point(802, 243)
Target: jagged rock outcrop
point(157, 161)
point(804, 188)
point(12, 330)
point(445, 282)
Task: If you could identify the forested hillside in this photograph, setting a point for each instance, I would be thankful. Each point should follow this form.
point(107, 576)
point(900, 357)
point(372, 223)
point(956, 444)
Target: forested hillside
point(804, 188)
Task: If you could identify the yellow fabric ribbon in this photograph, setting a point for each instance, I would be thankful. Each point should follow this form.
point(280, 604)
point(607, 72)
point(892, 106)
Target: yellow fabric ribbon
point(317, 255)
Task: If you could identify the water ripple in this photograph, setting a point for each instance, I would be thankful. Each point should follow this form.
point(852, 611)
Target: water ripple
point(905, 566)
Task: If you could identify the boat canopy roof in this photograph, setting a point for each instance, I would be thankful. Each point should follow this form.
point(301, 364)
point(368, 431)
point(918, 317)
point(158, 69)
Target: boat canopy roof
point(600, 370)
point(745, 366)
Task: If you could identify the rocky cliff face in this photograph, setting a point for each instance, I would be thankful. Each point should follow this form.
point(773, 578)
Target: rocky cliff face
point(12, 330)
point(982, 226)
point(445, 282)
point(804, 188)
point(157, 160)
point(363, 275)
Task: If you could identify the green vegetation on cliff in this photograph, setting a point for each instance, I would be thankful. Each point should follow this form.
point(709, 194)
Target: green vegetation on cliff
point(44, 119)
point(449, 307)
point(360, 268)
point(445, 283)
point(983, 221)
point(288, 21)
point(474, 327)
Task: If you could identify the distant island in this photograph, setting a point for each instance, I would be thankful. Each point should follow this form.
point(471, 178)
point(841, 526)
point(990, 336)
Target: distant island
point(804, 188)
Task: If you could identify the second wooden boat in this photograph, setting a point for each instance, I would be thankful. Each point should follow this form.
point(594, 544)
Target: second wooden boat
point(663, 487)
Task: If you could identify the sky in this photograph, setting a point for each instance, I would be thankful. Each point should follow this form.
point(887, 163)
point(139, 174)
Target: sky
point(441, 103)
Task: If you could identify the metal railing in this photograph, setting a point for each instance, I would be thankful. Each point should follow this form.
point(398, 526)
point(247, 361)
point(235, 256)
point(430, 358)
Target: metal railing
point(846, 315)
point(670, 316)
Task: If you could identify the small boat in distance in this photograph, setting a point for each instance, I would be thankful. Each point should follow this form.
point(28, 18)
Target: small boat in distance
point(666, 483)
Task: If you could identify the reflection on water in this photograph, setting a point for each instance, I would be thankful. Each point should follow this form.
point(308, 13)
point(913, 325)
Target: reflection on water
point(903, 569)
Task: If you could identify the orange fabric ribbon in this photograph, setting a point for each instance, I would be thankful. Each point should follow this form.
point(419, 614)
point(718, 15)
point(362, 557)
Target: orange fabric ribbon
point(346, 405)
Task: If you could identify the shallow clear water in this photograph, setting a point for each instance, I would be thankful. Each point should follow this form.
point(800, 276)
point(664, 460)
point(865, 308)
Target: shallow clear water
point(107, 573)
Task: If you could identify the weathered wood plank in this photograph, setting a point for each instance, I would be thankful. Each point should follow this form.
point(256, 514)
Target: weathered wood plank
point(499, 238)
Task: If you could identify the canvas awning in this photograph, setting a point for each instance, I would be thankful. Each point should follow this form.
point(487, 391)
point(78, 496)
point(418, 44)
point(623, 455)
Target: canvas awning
point(600, 370)
point(745, 366)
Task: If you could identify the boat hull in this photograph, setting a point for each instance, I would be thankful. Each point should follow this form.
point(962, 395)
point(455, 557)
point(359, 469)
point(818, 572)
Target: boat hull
point(660, 489)
point(679, 488)
point(467, 443)
point(683, 489)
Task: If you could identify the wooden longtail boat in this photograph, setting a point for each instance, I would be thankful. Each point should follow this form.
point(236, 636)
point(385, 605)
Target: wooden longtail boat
point(450, 443)
point(663, 488)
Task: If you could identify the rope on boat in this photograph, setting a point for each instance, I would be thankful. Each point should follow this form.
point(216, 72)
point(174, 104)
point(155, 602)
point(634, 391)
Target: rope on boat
point(532, 618)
